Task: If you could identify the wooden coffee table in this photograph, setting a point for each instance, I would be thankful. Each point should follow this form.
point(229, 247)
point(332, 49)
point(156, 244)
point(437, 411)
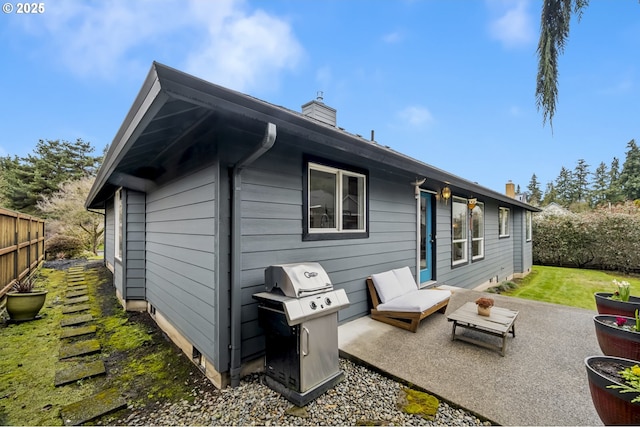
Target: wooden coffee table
point(499, 324)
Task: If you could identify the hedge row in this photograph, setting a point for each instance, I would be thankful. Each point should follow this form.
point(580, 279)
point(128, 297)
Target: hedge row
point(607, 239)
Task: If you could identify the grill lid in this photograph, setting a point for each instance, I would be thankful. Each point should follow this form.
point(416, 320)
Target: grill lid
point(297, 280)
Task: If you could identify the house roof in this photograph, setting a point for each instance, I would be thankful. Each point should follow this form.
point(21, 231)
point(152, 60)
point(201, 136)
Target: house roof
point(176, 116)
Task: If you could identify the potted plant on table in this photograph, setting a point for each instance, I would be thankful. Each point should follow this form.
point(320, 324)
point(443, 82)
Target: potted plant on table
point(618, 335)
point(24, 301)
point(484, 306)
point(614, 384)
point(620, 302)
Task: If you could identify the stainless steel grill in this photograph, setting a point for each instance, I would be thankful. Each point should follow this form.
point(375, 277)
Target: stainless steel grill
point(299, 314)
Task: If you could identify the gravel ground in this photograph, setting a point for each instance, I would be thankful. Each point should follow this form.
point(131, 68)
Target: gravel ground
point(363, 398)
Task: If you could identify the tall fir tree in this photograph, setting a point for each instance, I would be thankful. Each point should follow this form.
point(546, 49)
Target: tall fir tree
point(600, 186)
point(535, 195)
point(581, 182)
point(550, 195)
point(39, 174)
point(564, 187)
point(614, 193)
point(630, 175)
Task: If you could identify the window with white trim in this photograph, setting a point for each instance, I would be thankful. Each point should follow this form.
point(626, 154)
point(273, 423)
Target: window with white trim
point(337, 201)
point(477, 231)
point(528, 225)
point(118, 223)
point(503, 224)
point(459, 231)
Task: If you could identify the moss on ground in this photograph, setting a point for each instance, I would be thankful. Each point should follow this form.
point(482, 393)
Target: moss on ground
point(419, 403)
point(139, 360)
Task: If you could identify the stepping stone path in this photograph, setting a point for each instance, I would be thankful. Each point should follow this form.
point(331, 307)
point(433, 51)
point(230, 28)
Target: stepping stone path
point(92, 407)
point(74, 355)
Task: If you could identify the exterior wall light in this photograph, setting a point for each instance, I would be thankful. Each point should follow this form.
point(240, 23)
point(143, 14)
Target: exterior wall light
point(446, 194)
point(471, 203)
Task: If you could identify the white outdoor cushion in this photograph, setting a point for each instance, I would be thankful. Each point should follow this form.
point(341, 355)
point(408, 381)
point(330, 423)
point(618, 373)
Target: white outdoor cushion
point(416, 301)
point(387, 286)
point(407, 282)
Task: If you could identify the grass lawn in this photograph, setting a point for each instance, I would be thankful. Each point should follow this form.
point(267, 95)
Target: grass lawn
point(569, 286)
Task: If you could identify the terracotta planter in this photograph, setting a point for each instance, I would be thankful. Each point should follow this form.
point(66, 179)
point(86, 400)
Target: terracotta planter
point(25, 306)
point(615, 341)
point(613, 407)
point(484, 311)
point(620, 308)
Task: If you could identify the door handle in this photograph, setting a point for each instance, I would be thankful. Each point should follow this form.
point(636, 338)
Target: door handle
point(305, 343)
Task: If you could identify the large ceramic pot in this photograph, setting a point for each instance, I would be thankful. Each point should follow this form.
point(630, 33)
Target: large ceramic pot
point(25, 306)
point(616, 307)
point(615, 341)
point(613, 407)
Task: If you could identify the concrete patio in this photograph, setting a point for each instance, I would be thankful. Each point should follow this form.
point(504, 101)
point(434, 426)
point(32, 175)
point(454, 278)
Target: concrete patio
point(541, 380)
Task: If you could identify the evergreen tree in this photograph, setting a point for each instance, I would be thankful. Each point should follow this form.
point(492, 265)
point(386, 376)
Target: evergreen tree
point(550, 195)
point(630, 175)
point(555, 22)
point(580, 182)
point(614, 193)
point(38, 175)
point(601, 185)
point(564, 187)
point(535, 195)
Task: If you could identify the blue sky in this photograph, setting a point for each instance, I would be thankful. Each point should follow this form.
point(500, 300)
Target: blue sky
point(451, 83)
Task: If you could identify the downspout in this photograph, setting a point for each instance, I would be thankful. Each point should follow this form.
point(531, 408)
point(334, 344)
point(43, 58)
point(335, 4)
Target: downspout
point(236, 250)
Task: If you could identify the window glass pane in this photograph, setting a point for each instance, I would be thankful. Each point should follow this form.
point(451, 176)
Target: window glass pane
point(528, 225)
point(352, 202)
point(459, 251)
point(476, 247)
point(322, 199)
point(504, 222)
point(459, 220)
point(477, 224)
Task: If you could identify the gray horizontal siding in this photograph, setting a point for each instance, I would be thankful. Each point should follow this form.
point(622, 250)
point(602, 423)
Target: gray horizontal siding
point(135, 246)
point(180, 257)
point(272, 221)
point(498, 258)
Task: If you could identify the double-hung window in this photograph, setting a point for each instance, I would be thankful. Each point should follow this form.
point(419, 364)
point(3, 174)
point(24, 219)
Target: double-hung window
point(477, 231)
point(459, 231)
point(336, 202)
point(503, 225)
point(528, 225)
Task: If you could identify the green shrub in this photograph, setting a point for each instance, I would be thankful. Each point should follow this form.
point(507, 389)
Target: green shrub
point(606, 239)
point(60, 246)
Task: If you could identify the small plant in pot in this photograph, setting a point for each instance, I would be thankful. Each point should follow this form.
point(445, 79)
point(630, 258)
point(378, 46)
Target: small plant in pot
point(618, 335)
point(614, 384)
point(24, 301)
point(484, 306)
point(620, 302)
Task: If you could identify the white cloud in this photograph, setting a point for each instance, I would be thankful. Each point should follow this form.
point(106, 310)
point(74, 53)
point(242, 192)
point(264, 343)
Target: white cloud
point(514, 25)
point(415, 116)
point(3, 152)
point(394, 37)
point(243, 50)
point(218, 40)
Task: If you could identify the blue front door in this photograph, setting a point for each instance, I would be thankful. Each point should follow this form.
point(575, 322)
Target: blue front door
point(426, 237)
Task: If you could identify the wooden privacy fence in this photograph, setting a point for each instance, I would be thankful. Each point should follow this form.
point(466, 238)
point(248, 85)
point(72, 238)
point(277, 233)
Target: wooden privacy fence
point(21, 246)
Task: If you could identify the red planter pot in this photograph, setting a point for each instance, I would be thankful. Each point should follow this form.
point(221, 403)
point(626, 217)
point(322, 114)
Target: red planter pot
point(615, 341)
point(613, 407)
point(620, 308)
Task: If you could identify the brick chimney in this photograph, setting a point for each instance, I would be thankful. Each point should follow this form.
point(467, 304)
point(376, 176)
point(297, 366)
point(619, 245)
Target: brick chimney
point(511, 189)
point(317, 109)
